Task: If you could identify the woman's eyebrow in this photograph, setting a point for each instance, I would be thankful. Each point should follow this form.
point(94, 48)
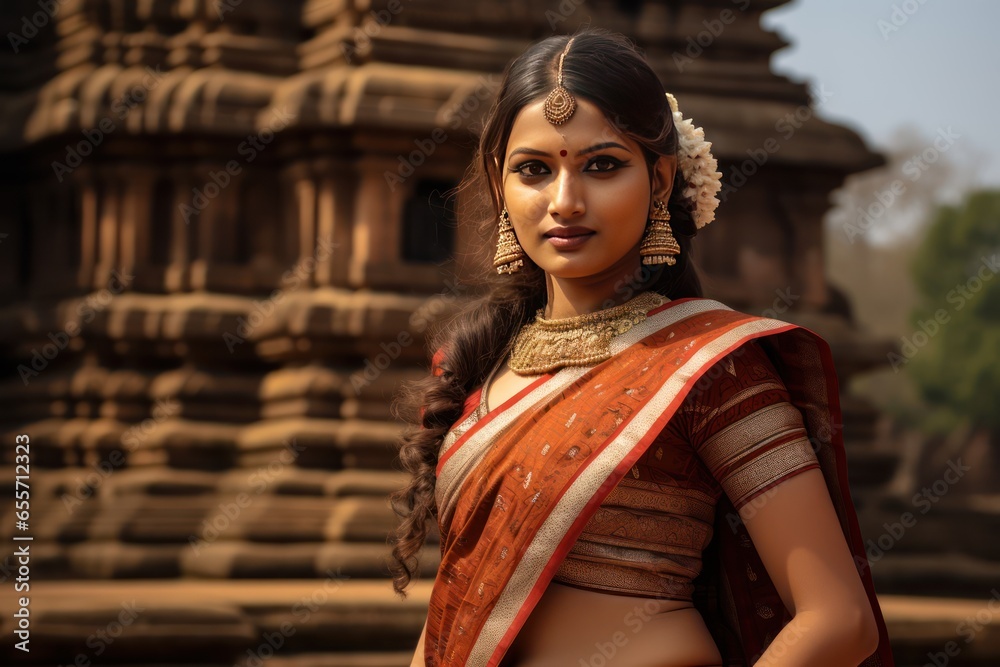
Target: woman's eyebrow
point(596, 147)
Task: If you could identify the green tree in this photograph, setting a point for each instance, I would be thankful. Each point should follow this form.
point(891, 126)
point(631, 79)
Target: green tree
point(953, 352)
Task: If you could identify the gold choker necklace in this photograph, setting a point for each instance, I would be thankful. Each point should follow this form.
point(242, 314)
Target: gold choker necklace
point(581, 340)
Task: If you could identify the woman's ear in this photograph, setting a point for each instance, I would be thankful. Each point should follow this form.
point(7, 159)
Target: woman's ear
point(664, 170)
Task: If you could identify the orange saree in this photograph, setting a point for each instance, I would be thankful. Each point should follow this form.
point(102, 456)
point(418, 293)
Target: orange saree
point(516, 487)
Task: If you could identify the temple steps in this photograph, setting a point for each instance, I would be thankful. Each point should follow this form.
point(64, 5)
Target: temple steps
point(330, 622)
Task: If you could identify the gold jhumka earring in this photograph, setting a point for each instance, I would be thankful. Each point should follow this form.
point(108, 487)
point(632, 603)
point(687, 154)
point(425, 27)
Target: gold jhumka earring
point(510, 255)
point(658, 243)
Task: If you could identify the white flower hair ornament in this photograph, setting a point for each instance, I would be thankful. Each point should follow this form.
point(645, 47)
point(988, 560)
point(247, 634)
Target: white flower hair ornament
point(699, 167)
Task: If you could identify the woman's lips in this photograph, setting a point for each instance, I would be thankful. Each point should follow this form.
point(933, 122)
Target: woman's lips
point(568, 242)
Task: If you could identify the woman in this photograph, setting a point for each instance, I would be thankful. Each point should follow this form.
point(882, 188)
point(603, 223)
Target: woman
point(622, 471)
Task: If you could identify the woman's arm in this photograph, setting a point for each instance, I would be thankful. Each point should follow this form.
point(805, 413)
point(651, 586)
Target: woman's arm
point(798, 536)
point(418, 655)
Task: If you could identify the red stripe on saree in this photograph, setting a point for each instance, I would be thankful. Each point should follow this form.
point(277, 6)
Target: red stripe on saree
point(471, 404)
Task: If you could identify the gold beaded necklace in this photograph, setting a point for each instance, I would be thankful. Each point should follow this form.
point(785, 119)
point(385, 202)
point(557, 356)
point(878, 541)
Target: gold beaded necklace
point(582, 340)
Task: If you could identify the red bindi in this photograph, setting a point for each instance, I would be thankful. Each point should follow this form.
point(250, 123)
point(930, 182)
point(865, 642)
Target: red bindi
point(563, 152)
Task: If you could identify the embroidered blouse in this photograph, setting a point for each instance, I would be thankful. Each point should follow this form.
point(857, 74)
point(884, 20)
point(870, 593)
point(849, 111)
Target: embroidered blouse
point(735, 433)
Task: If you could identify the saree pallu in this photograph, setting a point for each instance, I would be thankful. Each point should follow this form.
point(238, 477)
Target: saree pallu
point(516, 487)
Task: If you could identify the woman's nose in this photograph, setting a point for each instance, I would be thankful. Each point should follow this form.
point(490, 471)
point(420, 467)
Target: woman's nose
point(567, 195)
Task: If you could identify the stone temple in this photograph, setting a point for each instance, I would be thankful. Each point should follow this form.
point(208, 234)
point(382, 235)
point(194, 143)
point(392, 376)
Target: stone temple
point(225, 234)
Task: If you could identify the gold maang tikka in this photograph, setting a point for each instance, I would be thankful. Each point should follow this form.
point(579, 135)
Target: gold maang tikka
point(560, 104)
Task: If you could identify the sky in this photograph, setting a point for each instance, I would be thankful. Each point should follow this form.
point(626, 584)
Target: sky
point(931, 64)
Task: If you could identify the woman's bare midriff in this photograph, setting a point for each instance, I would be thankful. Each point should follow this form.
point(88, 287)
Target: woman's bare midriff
point(572, 627)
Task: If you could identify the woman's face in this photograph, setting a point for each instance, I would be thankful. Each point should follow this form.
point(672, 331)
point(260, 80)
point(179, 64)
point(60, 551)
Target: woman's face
point(582, 174)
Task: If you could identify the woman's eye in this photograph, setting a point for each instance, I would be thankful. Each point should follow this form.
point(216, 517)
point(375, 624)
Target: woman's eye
point(607, 164)
point(526, 169)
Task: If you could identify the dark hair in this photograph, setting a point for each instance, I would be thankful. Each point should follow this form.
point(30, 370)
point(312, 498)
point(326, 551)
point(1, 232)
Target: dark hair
point(608, 70)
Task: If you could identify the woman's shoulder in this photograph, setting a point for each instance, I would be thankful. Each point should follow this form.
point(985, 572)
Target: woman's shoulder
point(747, 363)
point(705, 318)
point(692, 305)
point(736, 385)
point(706, 313)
